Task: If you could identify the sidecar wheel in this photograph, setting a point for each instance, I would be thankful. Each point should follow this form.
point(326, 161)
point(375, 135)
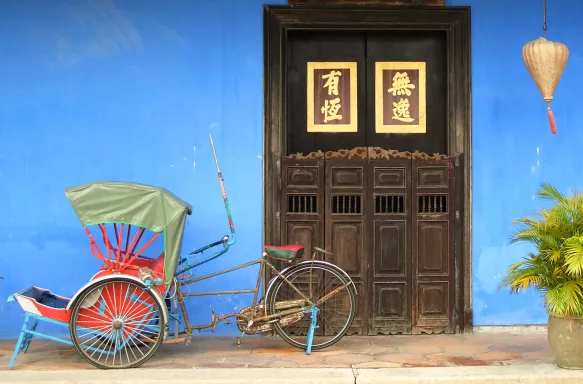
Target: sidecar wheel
point(123, 328)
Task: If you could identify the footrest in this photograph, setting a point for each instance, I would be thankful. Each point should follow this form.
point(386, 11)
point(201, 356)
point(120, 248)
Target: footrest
point(42, 302)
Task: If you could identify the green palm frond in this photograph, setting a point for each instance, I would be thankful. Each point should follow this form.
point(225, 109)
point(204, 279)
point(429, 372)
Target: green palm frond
point(538, 237)
point(553, 255)
point(548, 192)
point(574, 256)
point(556, 267)
point(566, 299)
point(528, 272)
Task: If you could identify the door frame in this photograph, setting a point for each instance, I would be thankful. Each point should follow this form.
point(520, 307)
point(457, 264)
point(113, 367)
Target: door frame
point(455, 21)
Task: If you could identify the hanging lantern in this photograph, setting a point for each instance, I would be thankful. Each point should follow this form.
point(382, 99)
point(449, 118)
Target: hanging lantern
point(546, 61)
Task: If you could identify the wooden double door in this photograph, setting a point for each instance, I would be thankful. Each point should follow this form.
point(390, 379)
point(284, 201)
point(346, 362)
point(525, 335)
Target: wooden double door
point(397, 220)
point(387, 218)
point(378, 202)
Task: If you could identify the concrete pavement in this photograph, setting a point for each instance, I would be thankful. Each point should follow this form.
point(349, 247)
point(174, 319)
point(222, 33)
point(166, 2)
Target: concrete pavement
point(428, 359)
point(515, 374)
point(419, 351)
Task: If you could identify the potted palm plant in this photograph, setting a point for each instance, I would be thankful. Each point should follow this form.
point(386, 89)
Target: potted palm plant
point(555, 268)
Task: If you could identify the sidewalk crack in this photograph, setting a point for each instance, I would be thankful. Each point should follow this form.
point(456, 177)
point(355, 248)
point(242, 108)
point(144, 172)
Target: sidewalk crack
point(354, 373)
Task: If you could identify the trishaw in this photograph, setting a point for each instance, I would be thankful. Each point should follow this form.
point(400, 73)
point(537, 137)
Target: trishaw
point(135, 302)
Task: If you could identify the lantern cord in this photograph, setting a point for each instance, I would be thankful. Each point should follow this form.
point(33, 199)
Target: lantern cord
point(545, 17)
point(552, 122)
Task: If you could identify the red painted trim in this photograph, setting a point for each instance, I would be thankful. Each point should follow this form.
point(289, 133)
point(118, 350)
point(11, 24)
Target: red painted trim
point(135, 256)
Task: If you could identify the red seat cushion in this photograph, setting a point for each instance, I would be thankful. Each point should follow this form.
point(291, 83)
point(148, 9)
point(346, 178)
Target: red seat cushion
point(287, 253)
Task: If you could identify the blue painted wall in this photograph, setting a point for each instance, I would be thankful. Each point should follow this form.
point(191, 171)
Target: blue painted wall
point(116, 90)
point(126, 90)
point(513, 149)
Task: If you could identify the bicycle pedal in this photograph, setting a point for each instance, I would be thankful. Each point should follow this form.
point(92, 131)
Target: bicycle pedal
point(240, 338)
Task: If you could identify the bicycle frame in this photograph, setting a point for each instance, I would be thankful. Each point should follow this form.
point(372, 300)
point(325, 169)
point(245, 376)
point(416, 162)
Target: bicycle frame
point(187, 263)
point(263, 262)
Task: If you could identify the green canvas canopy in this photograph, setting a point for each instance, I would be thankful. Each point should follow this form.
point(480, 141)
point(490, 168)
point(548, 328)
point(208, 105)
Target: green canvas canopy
point(153, 208)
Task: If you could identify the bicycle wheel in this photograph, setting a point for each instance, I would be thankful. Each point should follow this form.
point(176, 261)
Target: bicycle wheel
point(315, 280)
point(117, 324)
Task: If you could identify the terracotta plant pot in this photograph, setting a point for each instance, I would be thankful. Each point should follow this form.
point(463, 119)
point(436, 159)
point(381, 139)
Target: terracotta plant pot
point(566, 341)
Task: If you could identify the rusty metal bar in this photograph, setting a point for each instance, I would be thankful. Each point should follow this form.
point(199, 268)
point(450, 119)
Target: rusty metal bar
point(217, 293)
point(183, 309)
point(259, 278)
point(289, 303)
point(224, 271)
point(273, 316)
point(287, 281)
point(323, 299)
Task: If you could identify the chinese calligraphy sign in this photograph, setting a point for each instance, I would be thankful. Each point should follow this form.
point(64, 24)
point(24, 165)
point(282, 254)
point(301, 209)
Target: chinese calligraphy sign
point(332, 104)
point(400, 97)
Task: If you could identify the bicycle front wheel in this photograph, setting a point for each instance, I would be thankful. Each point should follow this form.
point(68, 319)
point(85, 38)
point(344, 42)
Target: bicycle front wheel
point(319, 282)
point(116, 324)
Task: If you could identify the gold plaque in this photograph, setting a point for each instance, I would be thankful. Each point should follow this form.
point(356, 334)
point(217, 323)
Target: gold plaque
point(332, 97)
point(400, 97)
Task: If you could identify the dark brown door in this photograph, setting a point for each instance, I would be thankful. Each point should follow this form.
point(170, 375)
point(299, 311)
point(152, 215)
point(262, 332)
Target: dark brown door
point(385, 215)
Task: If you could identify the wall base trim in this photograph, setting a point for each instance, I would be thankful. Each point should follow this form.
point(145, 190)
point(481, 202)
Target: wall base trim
point(516, 329)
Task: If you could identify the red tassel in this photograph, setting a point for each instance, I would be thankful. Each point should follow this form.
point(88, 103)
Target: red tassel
point(552, 120)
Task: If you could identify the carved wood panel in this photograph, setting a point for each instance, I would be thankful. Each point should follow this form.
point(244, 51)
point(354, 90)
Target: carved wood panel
point(302, 210)
point(389, 218)
point(433, 246)
point(303, 203)
point(345, 225)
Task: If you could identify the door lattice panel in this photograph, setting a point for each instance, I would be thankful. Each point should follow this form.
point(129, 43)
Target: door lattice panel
point(302, 204)
point(387, 217)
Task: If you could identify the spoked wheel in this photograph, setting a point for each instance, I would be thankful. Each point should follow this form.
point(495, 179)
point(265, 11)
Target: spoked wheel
point(317, 281)
point(117, 324)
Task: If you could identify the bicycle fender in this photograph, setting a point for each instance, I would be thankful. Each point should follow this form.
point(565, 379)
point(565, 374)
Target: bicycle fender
point(303, 263)
point(343, 272)
point(157, 295)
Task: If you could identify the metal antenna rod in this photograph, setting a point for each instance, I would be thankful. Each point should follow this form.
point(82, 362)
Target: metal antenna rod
point(224, 192)
point(214, 153)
